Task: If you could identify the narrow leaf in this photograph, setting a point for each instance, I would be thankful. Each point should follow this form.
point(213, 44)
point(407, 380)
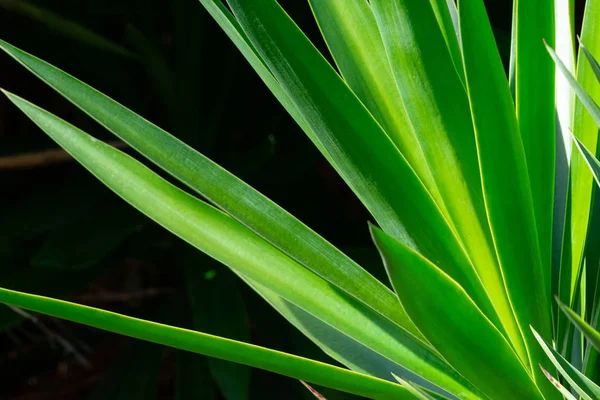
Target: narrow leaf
point(438, 107)
point(231, 243)
point(587, 389)
point(535, 106)
point(222, 188)
point(353, 37)
point(213, 346)
point(451, 321)
point(557, 385)
point(590, 333)
point(586, 130)
point(361, 152)
point(506, 186)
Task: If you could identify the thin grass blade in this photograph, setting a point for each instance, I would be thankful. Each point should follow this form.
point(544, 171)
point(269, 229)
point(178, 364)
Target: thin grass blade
point(592, 335)
point(567, 395)
point(587, 389)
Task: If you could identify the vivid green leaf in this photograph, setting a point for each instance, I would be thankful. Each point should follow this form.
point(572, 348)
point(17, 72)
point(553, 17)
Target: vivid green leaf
point(48, 282)
point(414, 389)
point(213, 346)
point(438, 106)
point(231, 243)
point(506, 187)
point(536, 115)
point(586, 130)
point(353, 37)
point(333, 342)
point(590, 333)
point(361, 152)
point(447, 17)
point(561, 230)
point(587, 389)
point(225, 190)
point(452, 322)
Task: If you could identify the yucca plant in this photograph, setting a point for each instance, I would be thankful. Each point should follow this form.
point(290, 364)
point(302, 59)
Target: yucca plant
point(484, 210)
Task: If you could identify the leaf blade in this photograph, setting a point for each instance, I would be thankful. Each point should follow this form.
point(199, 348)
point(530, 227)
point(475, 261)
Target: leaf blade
point(224, 189)
point(468, 339)
point(579, 382)
point(231, 243)
point(213, 346)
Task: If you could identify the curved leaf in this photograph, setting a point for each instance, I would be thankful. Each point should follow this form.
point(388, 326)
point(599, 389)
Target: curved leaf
point(353, 38)
point(362, 153)
point(231, 243)
point(506, 187)
point(223, 189)
point(451, 321)
point(587, 389)
point(437, 104)
point(536, 115)
point(213, 346)
point(592, 335)
point(586, 130)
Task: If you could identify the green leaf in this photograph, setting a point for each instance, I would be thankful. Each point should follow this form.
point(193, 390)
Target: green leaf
point(437, 104)
point(586, 130)
point(213, 346)
point(590, 333)
point(48, 282)
point(561, 229)
point(451, 321)
point(333, 342)
point(557, 385)
point(361, 152)
point(447, 17)
point(353, 38)
point(579, 382)
point(506, 187)
point(535, 106)
point(225, 190)
point(418, 392)
point(592, 270)
point(231, 243)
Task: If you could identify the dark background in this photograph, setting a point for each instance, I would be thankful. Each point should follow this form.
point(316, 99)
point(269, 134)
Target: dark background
point(63, 234)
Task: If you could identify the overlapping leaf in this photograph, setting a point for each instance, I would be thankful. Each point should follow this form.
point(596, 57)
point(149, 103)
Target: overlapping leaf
point(451, 321)
point(223, 189)
point(231, 243)
point(504, 174)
